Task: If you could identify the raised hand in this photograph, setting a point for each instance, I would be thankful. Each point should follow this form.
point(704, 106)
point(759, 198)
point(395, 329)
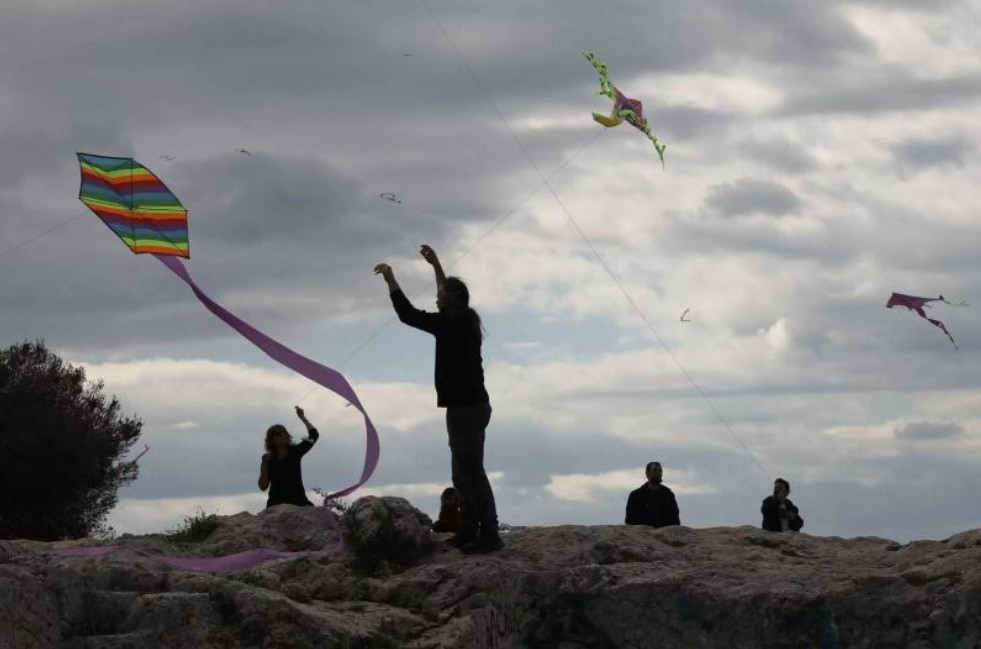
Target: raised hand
point(385, 271)
point(429, 254)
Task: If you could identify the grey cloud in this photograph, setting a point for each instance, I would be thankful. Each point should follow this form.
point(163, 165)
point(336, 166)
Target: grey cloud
point(886, 91)
point(915, 154)
point(907, 5)
point(248, 199)
point(748, 196)
point(926, 430)
point(781, 155)
point(682, 123)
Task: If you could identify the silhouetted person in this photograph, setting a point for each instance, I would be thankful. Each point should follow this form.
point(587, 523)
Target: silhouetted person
point(779, 513)
point(450, 515)
point(653, 504)
point(280, 471)
point(459, 389)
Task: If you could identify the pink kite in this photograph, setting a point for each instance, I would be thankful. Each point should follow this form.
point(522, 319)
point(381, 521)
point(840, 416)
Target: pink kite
point(917, 304)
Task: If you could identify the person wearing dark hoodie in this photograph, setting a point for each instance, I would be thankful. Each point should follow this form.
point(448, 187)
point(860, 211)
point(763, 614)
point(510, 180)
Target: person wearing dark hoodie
point(780, 514)
point(460, 389)
point(280, 471)
point(652, 503)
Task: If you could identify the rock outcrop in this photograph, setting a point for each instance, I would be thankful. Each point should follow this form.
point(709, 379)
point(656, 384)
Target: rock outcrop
point(551, 587)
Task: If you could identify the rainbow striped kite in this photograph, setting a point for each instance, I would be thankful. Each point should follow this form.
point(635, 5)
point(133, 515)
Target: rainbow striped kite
point(135, 204)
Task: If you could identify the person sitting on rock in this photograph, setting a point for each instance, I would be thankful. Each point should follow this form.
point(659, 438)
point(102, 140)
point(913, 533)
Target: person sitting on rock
point(779, 513)
point(280, 471)
point(653, 504)
point(449, 512)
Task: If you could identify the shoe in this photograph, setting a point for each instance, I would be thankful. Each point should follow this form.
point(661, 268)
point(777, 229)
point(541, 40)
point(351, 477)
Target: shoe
point(484, 545)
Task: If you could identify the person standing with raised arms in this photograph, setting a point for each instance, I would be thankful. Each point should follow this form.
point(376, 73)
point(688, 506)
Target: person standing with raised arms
point(460, 389)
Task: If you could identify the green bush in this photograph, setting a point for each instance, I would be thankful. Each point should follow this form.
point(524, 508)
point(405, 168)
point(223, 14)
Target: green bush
point(194, 529)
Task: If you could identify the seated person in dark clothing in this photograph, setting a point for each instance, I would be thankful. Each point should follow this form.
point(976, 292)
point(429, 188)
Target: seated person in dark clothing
point(653, 504)
point(449, 511)
point(280, 471)
point(779, 513)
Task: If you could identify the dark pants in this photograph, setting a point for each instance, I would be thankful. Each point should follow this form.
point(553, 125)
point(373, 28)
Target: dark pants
point(466, 426)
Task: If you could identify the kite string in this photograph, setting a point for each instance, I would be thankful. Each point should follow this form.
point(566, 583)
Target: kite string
point(588, 241)
point(34, 238)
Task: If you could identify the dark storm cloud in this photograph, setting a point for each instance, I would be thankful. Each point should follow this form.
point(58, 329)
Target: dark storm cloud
point(748, 196)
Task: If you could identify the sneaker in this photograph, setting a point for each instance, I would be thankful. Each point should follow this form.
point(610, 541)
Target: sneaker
point(484, 545)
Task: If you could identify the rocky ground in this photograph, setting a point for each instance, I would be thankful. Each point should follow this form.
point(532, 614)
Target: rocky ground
point(552, 587)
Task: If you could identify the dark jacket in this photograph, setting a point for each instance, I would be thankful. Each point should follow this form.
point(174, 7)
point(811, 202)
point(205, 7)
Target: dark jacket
point(771, 515)
point(285, 475)
point(654, 507)
point(459, 366)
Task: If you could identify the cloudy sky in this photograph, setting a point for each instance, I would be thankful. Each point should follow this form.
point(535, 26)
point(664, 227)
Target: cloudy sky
point(820, 156)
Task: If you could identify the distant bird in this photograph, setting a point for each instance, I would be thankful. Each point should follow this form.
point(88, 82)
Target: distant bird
point(245, 151)
point(684, 314)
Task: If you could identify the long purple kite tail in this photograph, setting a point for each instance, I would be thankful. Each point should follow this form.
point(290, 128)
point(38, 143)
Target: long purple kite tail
point(320, 374)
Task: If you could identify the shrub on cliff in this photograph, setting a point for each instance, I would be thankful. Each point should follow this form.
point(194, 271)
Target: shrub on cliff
point(60, 438)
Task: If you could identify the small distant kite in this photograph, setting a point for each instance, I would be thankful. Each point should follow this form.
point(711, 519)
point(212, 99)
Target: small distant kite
point(389, 196)
point(624, 109)
point(243, 151)
point(917, 304)
point(168, 158)
point(683, 316)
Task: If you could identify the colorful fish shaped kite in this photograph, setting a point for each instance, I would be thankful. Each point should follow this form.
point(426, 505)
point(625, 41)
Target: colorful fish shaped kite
point(917, 304)
point(141, 211)
point(624, 109)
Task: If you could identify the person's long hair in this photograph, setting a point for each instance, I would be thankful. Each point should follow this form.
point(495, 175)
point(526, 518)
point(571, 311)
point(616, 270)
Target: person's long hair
point(276, 430)
point(458, 303)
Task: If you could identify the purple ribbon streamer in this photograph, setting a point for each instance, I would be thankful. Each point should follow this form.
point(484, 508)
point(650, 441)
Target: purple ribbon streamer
point(320, 374)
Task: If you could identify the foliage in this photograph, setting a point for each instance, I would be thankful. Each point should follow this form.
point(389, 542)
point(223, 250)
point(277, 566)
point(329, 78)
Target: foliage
point(60, 438)
point(337, 505)
point(194, 529)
